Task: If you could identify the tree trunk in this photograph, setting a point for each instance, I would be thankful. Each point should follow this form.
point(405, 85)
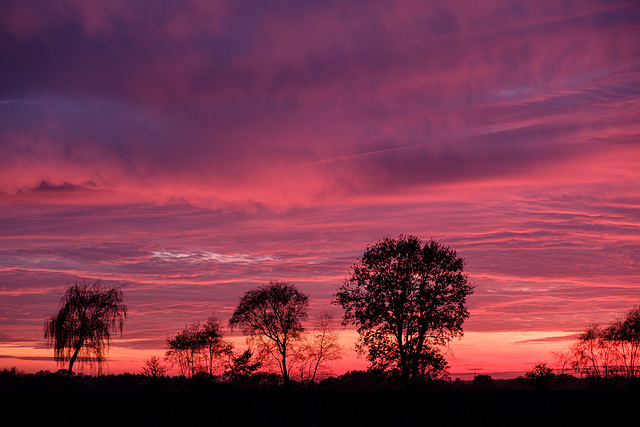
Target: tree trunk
point(285, 373)
point(67, 379)
point(405, 367)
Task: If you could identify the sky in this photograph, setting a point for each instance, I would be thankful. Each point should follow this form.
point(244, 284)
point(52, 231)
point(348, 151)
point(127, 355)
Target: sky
point(193, 150)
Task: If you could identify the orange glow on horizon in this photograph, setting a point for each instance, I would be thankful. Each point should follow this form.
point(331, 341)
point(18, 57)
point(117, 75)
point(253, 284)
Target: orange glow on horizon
point(474, 354)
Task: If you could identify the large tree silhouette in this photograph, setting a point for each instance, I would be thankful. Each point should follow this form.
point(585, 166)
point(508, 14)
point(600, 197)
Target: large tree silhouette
point(272, 313)
point(406, 299)
point(82, 328)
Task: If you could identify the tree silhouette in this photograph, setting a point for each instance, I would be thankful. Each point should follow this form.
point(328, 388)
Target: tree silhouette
point(197, 348)
point(82, 328)
point(540, 377)
point(272, 314)
point(591, 355)
point(317, 348)
point(483, 382)
point(406, 300)
point(609, 354)
point(154, 368)
point(625, 336)
point(184, 350)
point(241, 369)
point(214, 346)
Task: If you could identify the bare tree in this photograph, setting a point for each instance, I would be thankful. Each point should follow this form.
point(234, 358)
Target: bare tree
point(272, 314)
point(317, 349)
point(184, 350)
point(610, 354)
point(624, 336)
point(593, 355)
point(214, 346)
point(81, 330)
point(154, 368)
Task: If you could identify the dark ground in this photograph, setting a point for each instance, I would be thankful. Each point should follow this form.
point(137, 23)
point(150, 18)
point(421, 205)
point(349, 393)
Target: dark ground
point(319, 408)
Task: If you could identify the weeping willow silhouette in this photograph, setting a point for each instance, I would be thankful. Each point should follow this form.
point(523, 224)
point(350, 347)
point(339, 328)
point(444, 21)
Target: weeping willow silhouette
point(81, 330)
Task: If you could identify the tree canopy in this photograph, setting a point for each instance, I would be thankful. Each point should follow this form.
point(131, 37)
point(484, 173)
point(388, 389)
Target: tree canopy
point(273, 314)
point(407, 299)
point(81, 330)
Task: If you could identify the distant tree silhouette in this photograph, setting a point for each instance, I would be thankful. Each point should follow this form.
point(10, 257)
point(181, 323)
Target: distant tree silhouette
point(154, 368)
point(272, 314)
point(540, 377)
point(241, 369)
point(610, 354)
point(592, 354)
point(198, 347)
point(406, 299)
point(624, 335)
point(483, 382)
point(316, 349)
point(81, 330)
point(184, 350)
point(214, 346)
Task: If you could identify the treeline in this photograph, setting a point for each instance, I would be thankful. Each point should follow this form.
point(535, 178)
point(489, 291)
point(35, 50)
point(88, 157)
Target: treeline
point(14, 380)
point(602, 358)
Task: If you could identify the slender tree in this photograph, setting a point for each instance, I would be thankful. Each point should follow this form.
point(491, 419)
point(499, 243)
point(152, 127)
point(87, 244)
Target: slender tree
point(214, 346)
point(406, 299)
point(317, 348)
point(624, 334)
point(185, 350)
point(273, 313)
point(81, 330)
point(593, 355)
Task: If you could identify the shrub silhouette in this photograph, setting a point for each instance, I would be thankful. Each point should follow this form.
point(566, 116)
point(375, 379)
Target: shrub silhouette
point(540, 377)
point(483, 382)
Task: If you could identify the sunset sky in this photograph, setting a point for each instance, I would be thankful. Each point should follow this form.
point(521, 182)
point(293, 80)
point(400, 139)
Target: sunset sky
point(193, 150)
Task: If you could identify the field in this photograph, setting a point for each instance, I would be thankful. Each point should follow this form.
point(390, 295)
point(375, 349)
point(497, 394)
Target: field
point(318, 408)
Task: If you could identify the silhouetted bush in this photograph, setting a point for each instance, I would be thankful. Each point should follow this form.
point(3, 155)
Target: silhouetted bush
point(541, 377)
point(483, 382)
point(358, 380)
point(460, 385)
point(11, 380)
